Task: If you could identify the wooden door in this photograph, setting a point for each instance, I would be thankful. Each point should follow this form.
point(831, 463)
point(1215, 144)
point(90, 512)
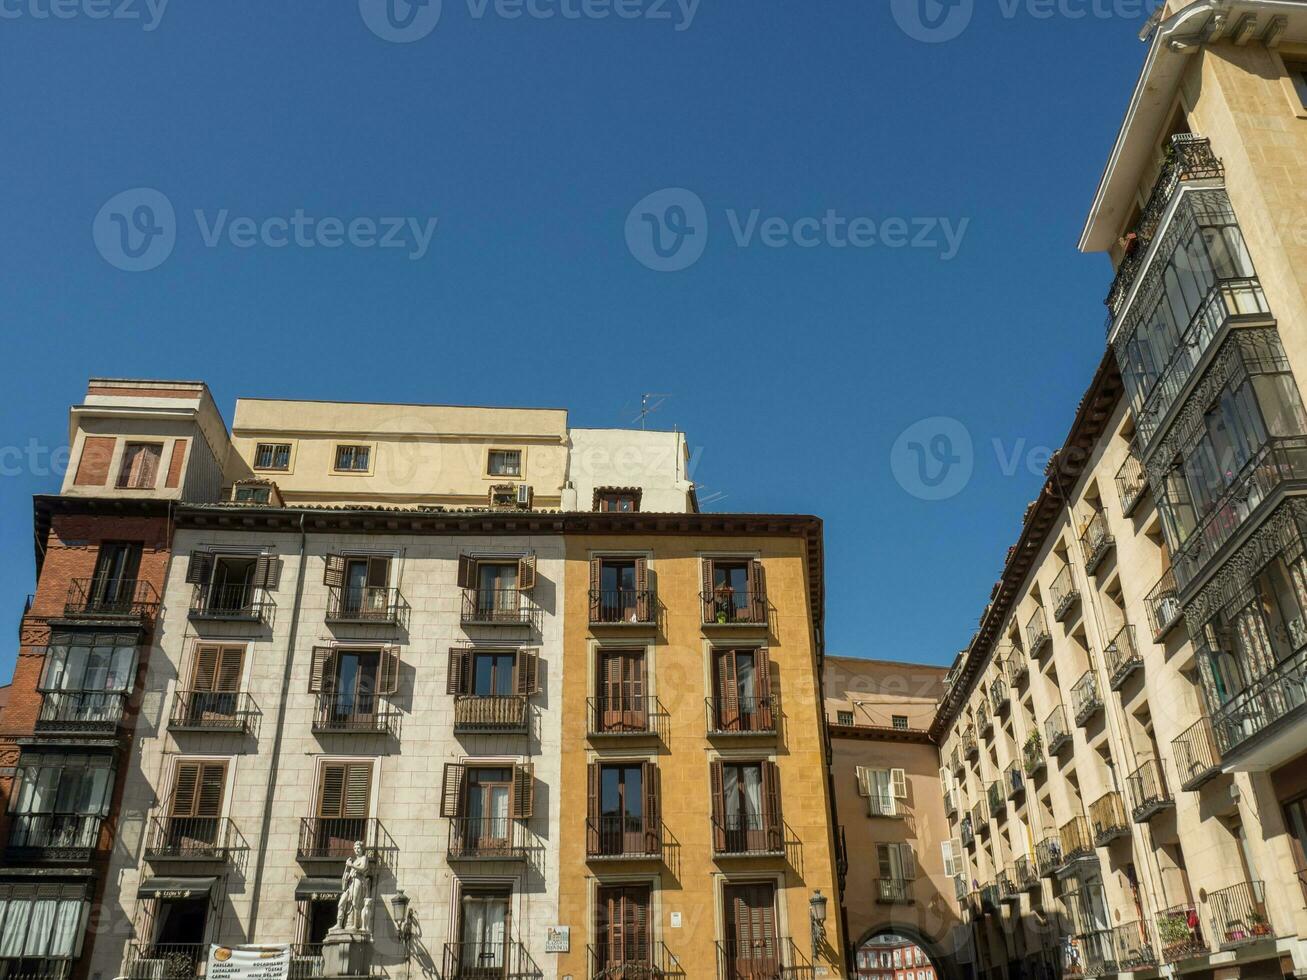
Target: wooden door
point(215, 683)
point(622, 687)
point(752, 947)
point(622, 935)
point(196, 809)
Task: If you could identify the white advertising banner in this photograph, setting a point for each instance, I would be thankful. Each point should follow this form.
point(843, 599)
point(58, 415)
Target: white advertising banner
point(248, 963)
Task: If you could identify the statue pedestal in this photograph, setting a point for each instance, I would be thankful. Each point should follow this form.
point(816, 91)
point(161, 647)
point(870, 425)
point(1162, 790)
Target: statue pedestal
point(347, 953)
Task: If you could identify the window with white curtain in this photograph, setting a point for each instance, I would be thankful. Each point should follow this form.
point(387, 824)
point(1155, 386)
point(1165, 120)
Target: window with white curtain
point(60, 799)
point(42, 921)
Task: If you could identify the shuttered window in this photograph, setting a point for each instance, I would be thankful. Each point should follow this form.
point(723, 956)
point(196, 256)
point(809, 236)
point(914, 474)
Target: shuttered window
point(896, 862)
point(344, 790)
point(198, 788)
point(622, 933)
point(217, 668)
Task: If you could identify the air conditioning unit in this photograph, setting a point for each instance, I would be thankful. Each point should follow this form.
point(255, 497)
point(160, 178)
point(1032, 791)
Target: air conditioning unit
point(524, 496)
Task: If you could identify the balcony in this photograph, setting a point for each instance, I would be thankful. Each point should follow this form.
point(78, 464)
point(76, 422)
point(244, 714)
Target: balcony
point(984, 721)
point(1056, 731)
point(1037, 636)
point(1007, 888)
point(1018, 667)
point(622, 837)
point(967, 831)
point(996, 798)
point(331, 839)
point(1014, 781)
point(80, 712)
point(622, 607)
point(1148, 792)
point(960, 890)
point(1122, 657)
point(1032, 753)
point(491, 714)
point(59, 837)
point(1163, 605)
point(132, 601)
point(166, 961)
point(212, 711)
point(1261, 727)
point(747, 961)
point(989, 898)
point(747, 835)
point(1064, 594)
point(970, 747)
point(362, 714)
point(1131, 482)
point(1077, 844)
point(980, 816)
point(1096, 541)
point(736, 715)
point(1025, 875)
point(956, 762)
point(1108, 820)
point(366, 605)
point(654, 962)
point(497, 607)
point(231, 604)
point(951, 802)
point(1180, 934)
point(203, 839)
point(1085, 699)
point(1000, 697)
point(1238, 915)
point(1048, 856)
point(1196, 760)
point(1097, 950)
point(893, 891)
point(487, 839)
point(503, 959)
point(730, 608)
point(1132, 947)
point(1188, 157)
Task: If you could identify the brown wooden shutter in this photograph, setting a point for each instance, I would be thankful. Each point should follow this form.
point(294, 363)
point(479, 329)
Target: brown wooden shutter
point(267, 572)
point(378, 573)
point(322, 675)
point(526, 573)
point(459, 677)
point(595, 598)
point(331, 790)
point(333, 570)
point(228, 674)
point(762, 687)
point(389, 680)
point(522, 794)
point(204, 677)
point(642, 609)
point(358, 789)
point(652, 806)
point(718, 781)
point(773, 817)
point(200, 568)
point(453, 790)
point(707, 567)
point(185, 787)
point(527, 668)
point(757, 592)
point(213, 780)
point(467, 572)
point(592, 808)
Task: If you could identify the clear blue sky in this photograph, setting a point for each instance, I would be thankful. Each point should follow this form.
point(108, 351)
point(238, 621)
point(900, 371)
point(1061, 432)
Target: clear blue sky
point(792, 369)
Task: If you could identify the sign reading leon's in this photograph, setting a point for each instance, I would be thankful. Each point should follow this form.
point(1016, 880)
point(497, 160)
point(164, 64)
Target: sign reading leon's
point(248, 963)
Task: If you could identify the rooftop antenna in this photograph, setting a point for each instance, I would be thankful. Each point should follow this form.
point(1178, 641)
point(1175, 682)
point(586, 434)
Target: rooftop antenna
point(650, 402)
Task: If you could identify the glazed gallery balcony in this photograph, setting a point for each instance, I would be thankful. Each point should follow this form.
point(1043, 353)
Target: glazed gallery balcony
point(57, 837)
point(1265, 724)
point(81, 712)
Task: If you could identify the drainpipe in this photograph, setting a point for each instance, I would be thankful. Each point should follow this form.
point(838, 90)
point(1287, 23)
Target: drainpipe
point(275, 757)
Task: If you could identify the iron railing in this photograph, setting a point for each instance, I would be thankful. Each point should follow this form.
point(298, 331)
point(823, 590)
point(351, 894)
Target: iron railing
point(1238, 914)
point(1107, 818)
point(747, 833)
point(1032, 753)
point(729, 608)
point(1077, 844)
point(773, 959)
point(1048, 856)
point(989, 898)
point(956, 762)
point(1163, 605)
point(1014, 780)
point(1131, 482)
point(980, 815)
point(232, 603)
point(626, 714)
point(623, 836)
point(1057, 732)
point(305, 961)
point(53, 836)
point(1095, 541)
point(89, 712)
point(893, 891)
point(984, 721)
point(1268, 700)
point(190, 838)
point(631, 959)
point(359, 714)
point(1018, 667)
point(970, 747)
point(996, 797)
point(967, 831)
point(1007, 887)
point(1148, 791)
point(1180, 934)
point(166, 961)
point(497, 607)
point(1025, 875)
point(1063, 592)
point(1098, 952)
point(1122, 657)
point(504, 714)
point(735, 715)
point(505, 959)
point(621, 607)
point(211, 711)
point(107, 598)
point(1133, 947)
point(1000, 697)
point(1085, 698)
point(487, 838)
point(370, 604)
point(1037, 635)
point(333, 838)
point(1195, 755)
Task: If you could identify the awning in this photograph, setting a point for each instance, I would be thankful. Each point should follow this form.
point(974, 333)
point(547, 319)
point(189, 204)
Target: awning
point(309, 889)
point(176, 887)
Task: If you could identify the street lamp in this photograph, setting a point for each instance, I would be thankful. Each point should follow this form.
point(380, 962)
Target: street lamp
point(817, 915)
point(403, 917)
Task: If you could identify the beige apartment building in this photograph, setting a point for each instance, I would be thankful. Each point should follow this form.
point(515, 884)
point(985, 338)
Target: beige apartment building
point(1124, 740)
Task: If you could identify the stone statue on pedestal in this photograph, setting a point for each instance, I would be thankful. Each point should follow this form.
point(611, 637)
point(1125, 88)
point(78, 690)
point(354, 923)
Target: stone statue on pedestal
point(347, 947)
point(355, 893)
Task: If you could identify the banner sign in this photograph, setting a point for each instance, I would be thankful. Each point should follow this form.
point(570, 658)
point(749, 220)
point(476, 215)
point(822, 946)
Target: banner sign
point(248, 963)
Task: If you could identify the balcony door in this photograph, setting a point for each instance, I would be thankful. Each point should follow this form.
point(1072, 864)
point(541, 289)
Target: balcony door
point(622, 690)
point(195, 810)
point(483, 935)
point(215, 684)
point(620, 807)
point(355, 685)
point(343, 807)
point(743, 688)
point(231, 589)
point(366, 582)
point(180, 927)
point(746, 807)
point(496, 588)
point(114, 583)
point(494, 673)
point(752, 946)
point(622, 936)
point(619, 591)
point(487, 808)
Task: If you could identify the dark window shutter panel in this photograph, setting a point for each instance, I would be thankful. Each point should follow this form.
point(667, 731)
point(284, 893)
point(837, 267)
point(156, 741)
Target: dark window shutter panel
point(358, 789)
point(707, 567)
point(523, 791)
point(206, 667)
point(331, 791)
point(466, 572)
point(642, 589)
point(762, 680)
point(757, 592)
point(333, 570)
point(718, 782)
point(773, 817)
point(213, 779)
point(200, 568)
point(228, 676)
point(389, 681)
point(528, 671)
point(592, 808)
point(595, 605)
point(185, 788)
point(652, 806)
point(526, 573)
point(451, 791)
point(322, 672)
point(267, 572)
point(459, 678)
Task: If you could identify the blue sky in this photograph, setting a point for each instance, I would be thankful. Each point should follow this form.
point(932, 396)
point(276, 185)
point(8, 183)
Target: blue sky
point(794, 368)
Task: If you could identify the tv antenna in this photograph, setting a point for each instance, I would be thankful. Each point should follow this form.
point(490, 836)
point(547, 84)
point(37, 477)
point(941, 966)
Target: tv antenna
point(650, 402)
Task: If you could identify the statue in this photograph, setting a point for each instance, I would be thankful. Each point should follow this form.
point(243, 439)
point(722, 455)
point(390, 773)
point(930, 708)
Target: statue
point(355, 897)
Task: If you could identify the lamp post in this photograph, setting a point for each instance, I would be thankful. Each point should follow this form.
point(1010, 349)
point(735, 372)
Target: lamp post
point(403, 919)
point(817, 917)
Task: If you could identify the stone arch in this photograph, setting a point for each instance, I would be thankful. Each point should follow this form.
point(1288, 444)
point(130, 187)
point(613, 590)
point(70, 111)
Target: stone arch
point(941, 949)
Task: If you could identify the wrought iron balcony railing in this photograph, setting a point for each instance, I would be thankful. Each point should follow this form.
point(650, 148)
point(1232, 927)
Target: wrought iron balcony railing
point(503, 959)
point(501, 714)
point(1122, 657)
point(487, 838)
point(893, 891)
point(166, 961)
point(628, 960)
point(1018, 667)
point(621, 607)
point(743, 834)
point(1148, 792)
point(53, 836)
point(1014, 782)
point(356, 714)
point(1032, 753)
point(775, 959)
point(105, 598)
point(1095, 541)
point(956, 761)
point(951, 802)
point(1007, 887)
point(1132, 947)
point(1000, 697)
point(1057, 732)
point(1180, 934)
point(333, 838)
point(1085, 698)
point(1064, 593)
point(1163, 605)
point(1107, 818)
point(1098, 952)
point(980, 815)
point(1048, 856)
point(1025, 875)
point(497, 607)
point(967, 831)
point(81, 712)
point(1131, 482)
point(996, 798)
point(1274, 699)
point(1196, 758)
point(984, 721)
point(367, 604)
point(211, 711)
point(190, 839)
point(1238, 914)
point(970, 747)
point(734, 715)
point(734, 608)
point(623, 836)
point(232, 604)
point(989, 898)
point(1077, 843)
point(1037, 635)
point(305, 961)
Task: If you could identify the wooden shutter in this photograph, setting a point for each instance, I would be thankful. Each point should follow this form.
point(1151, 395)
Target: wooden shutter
point(899, 783)
point(227, 677)
point(945, 779)
point(773, 817)
point(951, 852)
point(333, 570)
point(331, 790)
point(908, 862)
point(642, 610)
point(526, 671)
point(757, 592)
point(185, 787)
point(706, 567)
point(198, 789)
point(358, 789)
point(459, 678)
point(718, 783)
point(453, 790)
point(652, 806)
point(267, 572)
point(322, 674)
point(762, 688)
point(885, 861)
point(467, 572)
point(526, 573)
point(592, 841)
point(522, 794)
point(595, 598)
point(863, 775)
point(388, 683)
point(200, 568)
point(378, 573)
point(204, 676)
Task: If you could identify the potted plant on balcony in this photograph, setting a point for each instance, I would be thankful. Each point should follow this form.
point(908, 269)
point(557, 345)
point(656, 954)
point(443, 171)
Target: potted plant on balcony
point(723, 599)
point(1174, 929)
point(1235, 932)
point(1258, 924)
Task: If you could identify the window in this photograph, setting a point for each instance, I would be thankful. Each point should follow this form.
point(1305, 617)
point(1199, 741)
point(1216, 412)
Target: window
point(844, 717)
point(623, 940)
point(901, 722)
point(492, 673)
point(746, 808)
point(483, 802)
point(360, 585)
point(504, 462)
point(734, 591)
point(231, 586)
point(610, 500)
point(195, 808)
point(60, 800)
point(495, 586)
point(114, 584)
point(620, 705)
point(752, 947)
point(276, 456)
point(619, 590)
point(245, 494)
point(483, 933)
point(353, 459)
point(86, 675)
point(344, 804)
point(40, 922)
point(622, 809)
point(140, 466)
point(883, 788)
point(1298, 75)
point(742, 690)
